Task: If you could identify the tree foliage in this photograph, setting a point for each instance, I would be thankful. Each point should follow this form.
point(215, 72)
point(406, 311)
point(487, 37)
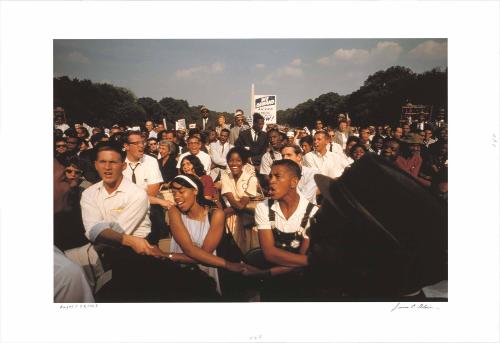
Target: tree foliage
point(377, 101)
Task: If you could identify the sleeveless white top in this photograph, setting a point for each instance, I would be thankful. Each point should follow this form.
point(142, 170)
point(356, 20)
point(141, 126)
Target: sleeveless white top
point(197, 230)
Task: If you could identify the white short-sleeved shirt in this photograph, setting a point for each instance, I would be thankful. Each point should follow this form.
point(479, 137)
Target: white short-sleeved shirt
point(245, 186)
point(281, 223)
point(330, 164)
point(147, 172)
point(267, 161)
point(204, 158)
point(125, 210)
point(307, 186)
point(218, 152)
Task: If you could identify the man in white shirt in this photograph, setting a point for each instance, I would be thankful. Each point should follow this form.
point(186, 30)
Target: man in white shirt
point(276, 142)
point(114, 211)
point(194, 146)
point(144, 171)
point(150, 127)
point(218, 153)
point(283, 222)
point(307, 186)
point(328, 163)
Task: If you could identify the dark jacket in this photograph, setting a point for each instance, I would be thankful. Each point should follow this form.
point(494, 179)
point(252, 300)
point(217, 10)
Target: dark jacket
point(256, 149)
point(209, 125)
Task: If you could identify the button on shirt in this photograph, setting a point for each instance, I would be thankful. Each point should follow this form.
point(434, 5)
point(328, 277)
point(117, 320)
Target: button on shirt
point(267, 161)
point(307, 185)
point(126, 210)
point(281, 223)
point(204, 158)
point(147, 172)
point(330, 164)
point(218, 152)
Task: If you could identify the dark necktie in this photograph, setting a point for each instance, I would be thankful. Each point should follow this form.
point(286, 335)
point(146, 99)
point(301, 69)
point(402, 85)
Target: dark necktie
point(133, 171)
point(255, 137)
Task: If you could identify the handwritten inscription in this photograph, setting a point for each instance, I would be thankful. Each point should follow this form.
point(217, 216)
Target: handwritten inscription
point(77, 306)
point(415, 307)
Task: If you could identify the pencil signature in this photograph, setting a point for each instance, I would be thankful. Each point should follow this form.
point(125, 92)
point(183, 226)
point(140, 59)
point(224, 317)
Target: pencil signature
point(76, 306)
point(417, 306)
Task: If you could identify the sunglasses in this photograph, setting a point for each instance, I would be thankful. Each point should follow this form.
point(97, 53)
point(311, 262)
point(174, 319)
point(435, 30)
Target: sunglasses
point(60, 145)
point(73, 171)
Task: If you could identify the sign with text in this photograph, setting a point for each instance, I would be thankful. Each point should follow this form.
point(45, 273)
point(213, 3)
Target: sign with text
point(266, 106)
point(180, 124)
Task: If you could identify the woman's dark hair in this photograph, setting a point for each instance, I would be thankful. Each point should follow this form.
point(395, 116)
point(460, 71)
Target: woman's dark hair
point(306, 139)
point(240, 151)
point(200, 197)
point(198, 167)
point(352, 139)
point(159, 135)
point(67, 160)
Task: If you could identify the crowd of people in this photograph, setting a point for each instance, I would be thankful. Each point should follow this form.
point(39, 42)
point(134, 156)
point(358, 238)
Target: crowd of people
point(217, 211)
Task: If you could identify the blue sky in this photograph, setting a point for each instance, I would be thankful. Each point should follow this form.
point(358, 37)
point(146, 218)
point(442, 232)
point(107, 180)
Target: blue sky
point(218, 73)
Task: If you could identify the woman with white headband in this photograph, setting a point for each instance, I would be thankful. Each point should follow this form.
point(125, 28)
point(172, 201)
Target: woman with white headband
point(195, 232)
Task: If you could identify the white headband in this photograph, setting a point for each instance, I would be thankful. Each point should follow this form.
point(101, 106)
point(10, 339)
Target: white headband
point(184, 177)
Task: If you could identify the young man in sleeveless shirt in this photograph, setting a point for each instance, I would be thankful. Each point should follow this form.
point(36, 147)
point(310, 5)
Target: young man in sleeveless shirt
point(283, 222)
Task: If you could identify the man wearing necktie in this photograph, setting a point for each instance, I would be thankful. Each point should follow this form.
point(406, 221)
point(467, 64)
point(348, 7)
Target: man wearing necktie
point(254, 140)
point(143, 170)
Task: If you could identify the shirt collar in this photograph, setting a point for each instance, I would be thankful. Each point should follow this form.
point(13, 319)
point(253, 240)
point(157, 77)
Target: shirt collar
point(276, 207)
point(130, 162)
point(121, 188)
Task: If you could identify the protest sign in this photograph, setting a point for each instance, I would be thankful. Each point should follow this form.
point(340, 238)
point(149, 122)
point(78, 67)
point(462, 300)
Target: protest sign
point(266, 106)
point(180, 124)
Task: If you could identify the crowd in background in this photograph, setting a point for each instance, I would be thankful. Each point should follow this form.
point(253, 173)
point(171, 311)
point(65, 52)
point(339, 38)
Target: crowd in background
point(236, 166)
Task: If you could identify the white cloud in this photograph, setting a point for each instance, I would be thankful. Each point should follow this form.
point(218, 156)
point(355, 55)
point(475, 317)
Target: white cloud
point(430, 50)
point(78, 57)
point(383, 52)
point(199, 71)
point(387, 51)
point(290, 70)
point(326, 60)
point(260, 66)
point(356, 56)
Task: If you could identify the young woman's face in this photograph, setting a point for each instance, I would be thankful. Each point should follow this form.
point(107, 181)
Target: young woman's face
point(357, 153)
point(235, 164)
point(73, 173)
point(306, 147)
point(184, 197)
point(350, 145)
point(187, 167)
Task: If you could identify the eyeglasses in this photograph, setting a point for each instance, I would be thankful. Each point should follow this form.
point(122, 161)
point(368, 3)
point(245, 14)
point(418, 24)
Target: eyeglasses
point(60, 145)
point(72, 142)
point(73, 171)
point(136, 143)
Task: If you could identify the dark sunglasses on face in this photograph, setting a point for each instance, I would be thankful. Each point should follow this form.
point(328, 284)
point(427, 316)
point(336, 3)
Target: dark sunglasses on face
point(60, 145)
point(73, 171)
